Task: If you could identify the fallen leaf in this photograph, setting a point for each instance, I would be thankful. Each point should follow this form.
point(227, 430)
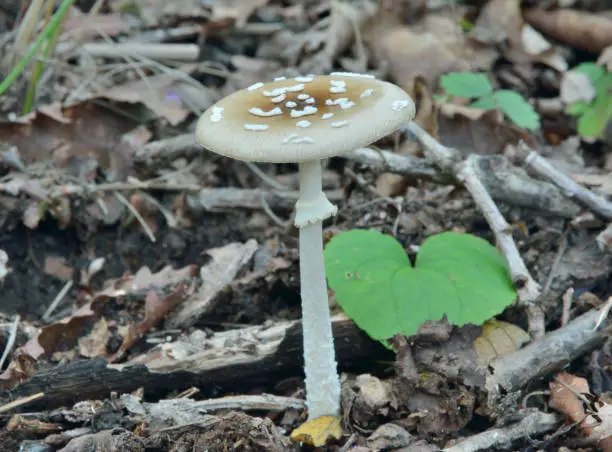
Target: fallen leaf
point(221, 271)
point(55, 266)
point(156, 309)
point(498, 338)
point(570, 394)
point(316, 432)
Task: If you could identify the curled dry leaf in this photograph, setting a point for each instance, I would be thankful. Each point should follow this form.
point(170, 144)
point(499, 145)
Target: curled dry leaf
point(571, 395)
point(579, 29)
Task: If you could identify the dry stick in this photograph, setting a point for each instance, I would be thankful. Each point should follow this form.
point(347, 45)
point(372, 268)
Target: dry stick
point(21, 401)
point(532, 424)
point(264, 402)
point(137, 215)
point(597, 204)
point(57, 300)
point(11, 340)
point(528, 289)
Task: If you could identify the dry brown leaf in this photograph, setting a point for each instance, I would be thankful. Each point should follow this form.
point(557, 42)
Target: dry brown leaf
point(472, 130)
point(55, 266)
point(582, 30)
point(570, 395)
point(225, 264)
point(157, 92)
point(499, 21)
point(156, 309)
point(440, 47)
point(86, 130)
point(498, 338)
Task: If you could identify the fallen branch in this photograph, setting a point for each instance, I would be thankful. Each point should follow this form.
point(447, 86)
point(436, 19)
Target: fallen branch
point(592, 201)
point(528, 289)
point(217, 364)
point(532, 424)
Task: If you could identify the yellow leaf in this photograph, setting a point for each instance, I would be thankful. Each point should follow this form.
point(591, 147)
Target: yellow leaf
point(316, 432)
point(497, 339)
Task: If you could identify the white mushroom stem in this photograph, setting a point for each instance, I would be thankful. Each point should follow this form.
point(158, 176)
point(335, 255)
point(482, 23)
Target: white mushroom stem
point(320, 368)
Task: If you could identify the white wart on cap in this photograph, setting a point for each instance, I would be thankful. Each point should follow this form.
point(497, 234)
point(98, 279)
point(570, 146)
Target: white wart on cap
point(304, 118)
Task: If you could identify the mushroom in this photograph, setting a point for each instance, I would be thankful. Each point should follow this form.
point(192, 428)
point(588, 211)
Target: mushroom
point(304, 120)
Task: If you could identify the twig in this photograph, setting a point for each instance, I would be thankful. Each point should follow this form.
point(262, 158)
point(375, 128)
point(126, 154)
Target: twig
point(528, 289)
point(603, 313)
point(180, 52)
point(264, 177)
point(566, 298)
point(11, 340)
point(57, 300)
point(532, 424)
point(20, 402)
point(556, 262)
point(137, 215)
point(229, 199)
point(597, 204)
point(268, 210)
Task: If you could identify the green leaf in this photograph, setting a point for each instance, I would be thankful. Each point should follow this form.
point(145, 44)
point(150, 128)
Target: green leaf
point(592, 122)
point(379, 289)
point(466, 84)
point(477, 270)
point(592, 70)
point(517, 109)
point(577, 108)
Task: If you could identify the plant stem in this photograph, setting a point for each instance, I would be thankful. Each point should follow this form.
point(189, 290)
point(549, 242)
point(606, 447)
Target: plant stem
point(18, 69)
point(320, 367)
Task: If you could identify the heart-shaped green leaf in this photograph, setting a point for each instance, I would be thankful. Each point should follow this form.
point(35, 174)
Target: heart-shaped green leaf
point(459, 275)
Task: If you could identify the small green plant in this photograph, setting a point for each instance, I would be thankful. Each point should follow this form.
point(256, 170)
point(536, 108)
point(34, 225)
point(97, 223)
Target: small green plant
point(477, 86)
point(458, 275)
point(594, 116)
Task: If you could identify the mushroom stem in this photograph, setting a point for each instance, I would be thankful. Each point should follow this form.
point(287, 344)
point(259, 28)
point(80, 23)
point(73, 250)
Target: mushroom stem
point(320, 367)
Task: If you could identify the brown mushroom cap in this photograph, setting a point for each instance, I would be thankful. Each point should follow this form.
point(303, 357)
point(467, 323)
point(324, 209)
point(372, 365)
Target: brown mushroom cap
point(304, 118)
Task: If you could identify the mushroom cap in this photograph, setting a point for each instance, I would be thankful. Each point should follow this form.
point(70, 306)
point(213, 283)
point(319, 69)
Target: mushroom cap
point(304, 118)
